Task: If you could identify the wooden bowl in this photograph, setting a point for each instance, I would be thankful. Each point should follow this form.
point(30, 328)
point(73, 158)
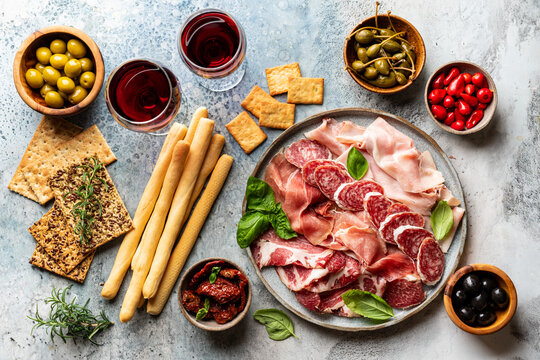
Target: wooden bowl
point(25, 58)
point(400, 24)
point(463, 66)
point(503, 316)
point(211, 325)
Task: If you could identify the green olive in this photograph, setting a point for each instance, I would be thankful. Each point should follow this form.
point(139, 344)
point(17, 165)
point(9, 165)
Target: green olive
point(88, 78)
point(86, 64)
point(73, 68)
point(364, 37)
point(392, 46)
point(384, 81)
point(58, 46)
point(51, 75)
point(58, 61)
point(386, 32)
point(69, 55)
point(76, 48)
point(401, 79)
point(43, 54)
point(34, 78)
point(357, 65)
point(39, 67)
point(45, 89)
point(399, 56)
point(373, 50)
point(65, 85)
point(356, 46)
point(78, 95)
point(361, 53)
point(382, 66)
point(370, 73)
point(63, 95)
point(53, 99)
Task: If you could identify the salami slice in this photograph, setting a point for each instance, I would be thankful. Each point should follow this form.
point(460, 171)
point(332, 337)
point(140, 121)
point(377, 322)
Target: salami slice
point(409, 238)
point(329, 177)
point(302, 151)
point(376, 206)
point(430, 262)
point(374, 284)
point(351, 196)
point(397, 208)
point(392, 222)
point(403, 294)
point(308, 170)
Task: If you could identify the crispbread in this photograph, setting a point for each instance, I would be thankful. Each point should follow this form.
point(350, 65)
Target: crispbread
point(254, 100)
point(114, 220)
point(246, 132)
point(42, 259)
point(88, 143)
point(50, 133)
point(305, 90)
point(277, 115)
point(278, 77)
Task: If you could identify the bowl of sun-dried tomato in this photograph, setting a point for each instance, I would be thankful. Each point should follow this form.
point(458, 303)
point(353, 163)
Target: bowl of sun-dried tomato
point(214, 294)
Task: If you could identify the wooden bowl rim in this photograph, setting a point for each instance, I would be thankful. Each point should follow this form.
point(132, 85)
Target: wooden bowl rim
point(485, 121)
point(213, 327)
point(98, 62)
point(499, 323)
point(396, 88)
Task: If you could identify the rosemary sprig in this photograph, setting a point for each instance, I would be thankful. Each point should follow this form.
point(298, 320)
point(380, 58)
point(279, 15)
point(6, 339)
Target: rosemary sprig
point(89, 203)
point(69, 320)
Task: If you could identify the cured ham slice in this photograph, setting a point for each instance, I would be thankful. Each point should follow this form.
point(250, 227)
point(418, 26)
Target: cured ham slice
point(345, 276)
point(376, 205)
point(395, 265)
point(374, 284)
point(298, 278)
point(392, 222)
point(430, 261)
point(409, 238)
point(351, 196)
point(302, 151)
point(329, 302)
point(270, 249)
point(364, 242)
point(326, 134)
point(403, 294)
point(350, 133)
point(309, 300)
point(329, 178)
point(308, 170)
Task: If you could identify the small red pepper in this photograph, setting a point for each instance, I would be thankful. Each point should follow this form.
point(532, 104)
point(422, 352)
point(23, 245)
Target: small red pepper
point(436, 96)
point(475, 117)
point(450, 118)
point(463, 107)
point(479, 80)
point(481, 106)
point(449, 101)
point(458, 125)
point(470, 89)
point(471, 100)
point(456, 87)
point(467, 78)
point(454, 72)
point(438, 83)
point(439, 112)
point(484, 95)
point(459, 116)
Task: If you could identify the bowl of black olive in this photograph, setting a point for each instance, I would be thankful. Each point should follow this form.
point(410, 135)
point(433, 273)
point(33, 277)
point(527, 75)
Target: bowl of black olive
point(480, 299)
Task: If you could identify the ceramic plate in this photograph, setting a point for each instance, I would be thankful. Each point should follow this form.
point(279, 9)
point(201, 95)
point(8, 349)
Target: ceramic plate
point(363, 117)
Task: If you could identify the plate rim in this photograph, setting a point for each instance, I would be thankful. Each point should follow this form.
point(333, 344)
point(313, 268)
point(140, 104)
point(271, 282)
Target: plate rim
point(336, 113)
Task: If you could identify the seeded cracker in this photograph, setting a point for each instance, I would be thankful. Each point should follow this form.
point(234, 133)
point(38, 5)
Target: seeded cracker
point(42, 259)
point(254, 100)
point(277, 115)
point(278, 77)
point(246, 132)
point(305, 91)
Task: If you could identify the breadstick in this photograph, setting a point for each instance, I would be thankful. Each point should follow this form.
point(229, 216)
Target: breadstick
point(141, 302)
point(191, 232)
point(212, 155)
point(142, 214)
point(153, 231)
point(179, 205)
point(197, 116)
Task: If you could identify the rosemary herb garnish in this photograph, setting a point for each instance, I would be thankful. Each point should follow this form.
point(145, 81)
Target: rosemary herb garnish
point(70, 320)
point(89, 203)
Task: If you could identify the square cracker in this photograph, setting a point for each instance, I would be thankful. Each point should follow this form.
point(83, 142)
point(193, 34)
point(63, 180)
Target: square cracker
point(50, 133)
point(277, 115)
point(254, 100)
point(246, 132)
point(278, 77)
point(41, 258)
point(305, 91)
point(88, 143)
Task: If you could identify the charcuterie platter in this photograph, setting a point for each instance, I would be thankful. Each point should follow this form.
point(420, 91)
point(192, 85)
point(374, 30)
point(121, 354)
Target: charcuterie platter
point(363, 118)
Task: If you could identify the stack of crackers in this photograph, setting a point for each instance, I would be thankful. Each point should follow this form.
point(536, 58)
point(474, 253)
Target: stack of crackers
point(270, 112)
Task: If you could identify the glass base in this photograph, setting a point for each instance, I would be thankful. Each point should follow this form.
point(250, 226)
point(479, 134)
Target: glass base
point(226, 83)
point(180, 117)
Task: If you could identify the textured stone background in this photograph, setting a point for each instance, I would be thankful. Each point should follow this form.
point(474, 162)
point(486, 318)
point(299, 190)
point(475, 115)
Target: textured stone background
point(499, 168)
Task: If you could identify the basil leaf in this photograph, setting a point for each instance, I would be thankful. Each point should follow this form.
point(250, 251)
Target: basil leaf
point(442, 220)
point(250, 226)
point(281, 224)
point(259, 195)
point(278, 325)
point(201, 314)
point(367, 304)
point(357, 164)
point(214, 274)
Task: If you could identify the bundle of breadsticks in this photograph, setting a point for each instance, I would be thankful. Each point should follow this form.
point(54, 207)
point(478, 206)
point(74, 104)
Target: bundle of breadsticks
point(188, 157)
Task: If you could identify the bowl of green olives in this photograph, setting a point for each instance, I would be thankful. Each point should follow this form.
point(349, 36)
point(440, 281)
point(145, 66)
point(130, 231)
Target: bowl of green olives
point(480, 299)
point(384, 53)
point(58, 71)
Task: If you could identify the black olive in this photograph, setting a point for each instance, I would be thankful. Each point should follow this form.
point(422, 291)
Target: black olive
point(488, 283)
point(480, 301)
point(486, 317)
point(467, 315)
point(471, 284)
point(459, 298)
point(499, 298)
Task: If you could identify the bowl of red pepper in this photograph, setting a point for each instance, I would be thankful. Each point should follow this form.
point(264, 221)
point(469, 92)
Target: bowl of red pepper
point(461, 97)
point(214, 294)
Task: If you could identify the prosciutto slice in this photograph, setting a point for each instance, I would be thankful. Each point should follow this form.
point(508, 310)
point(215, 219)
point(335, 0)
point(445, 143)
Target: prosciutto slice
point(326, 134)
point(395, 265)
point(297, 277)
point(329, 302)
point(345, 276)
point(364, 242)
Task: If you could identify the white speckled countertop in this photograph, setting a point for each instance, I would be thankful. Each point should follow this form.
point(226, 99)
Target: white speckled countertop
point(499, 169)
